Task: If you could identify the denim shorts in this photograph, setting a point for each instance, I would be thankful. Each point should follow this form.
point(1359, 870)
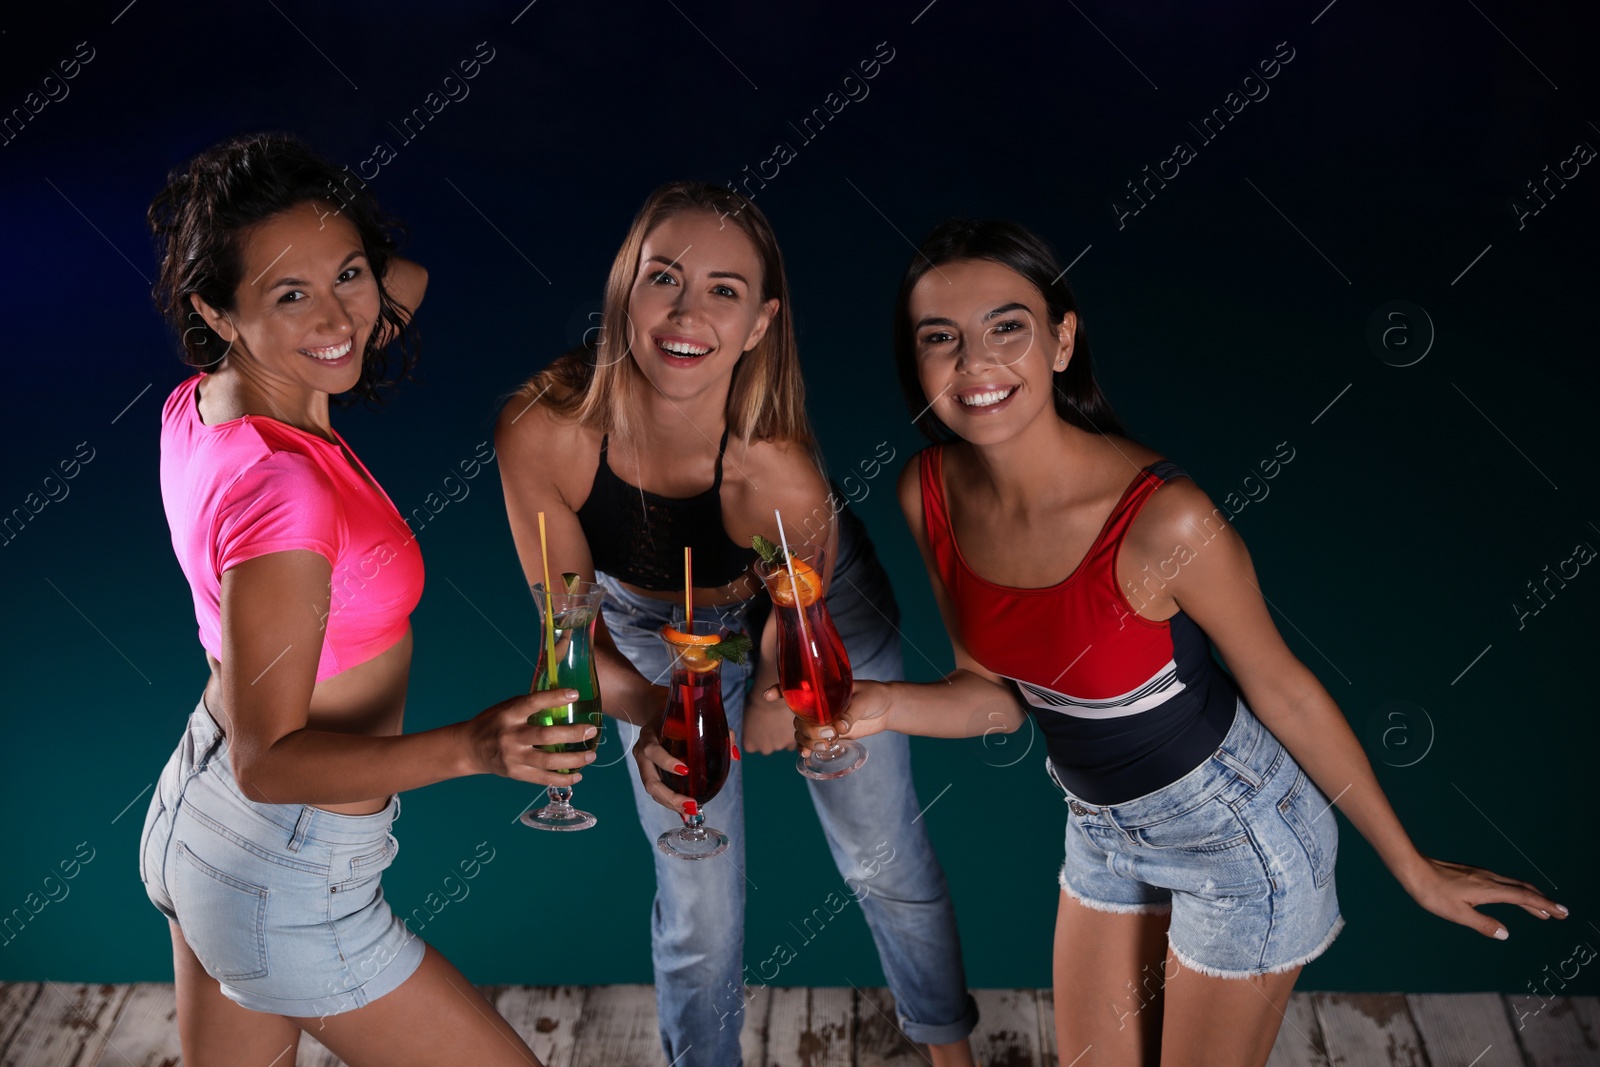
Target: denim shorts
point(280, 902)
point(1241, 850)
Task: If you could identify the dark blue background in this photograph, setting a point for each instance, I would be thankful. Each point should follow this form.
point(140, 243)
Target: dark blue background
point(1392, 547)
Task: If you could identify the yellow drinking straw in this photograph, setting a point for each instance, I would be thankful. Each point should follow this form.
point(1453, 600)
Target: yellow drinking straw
point(549, 608)
point(688, 589)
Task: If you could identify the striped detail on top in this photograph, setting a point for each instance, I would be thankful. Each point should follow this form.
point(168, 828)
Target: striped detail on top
point(1144, 702)
point(1162, 686)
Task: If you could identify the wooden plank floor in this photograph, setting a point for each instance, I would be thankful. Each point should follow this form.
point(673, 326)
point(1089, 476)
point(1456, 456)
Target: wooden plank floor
point(58, 1024)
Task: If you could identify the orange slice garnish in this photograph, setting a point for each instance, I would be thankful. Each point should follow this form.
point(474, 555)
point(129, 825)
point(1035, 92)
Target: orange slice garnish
point(782, 587)
point(691, 648)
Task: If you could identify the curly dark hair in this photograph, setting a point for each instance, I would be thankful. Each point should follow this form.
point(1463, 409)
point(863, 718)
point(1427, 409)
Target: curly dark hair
point(1078, 398)
point(201, 216)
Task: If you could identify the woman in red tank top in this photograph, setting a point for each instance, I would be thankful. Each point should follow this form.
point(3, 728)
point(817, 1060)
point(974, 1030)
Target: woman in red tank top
point(1078, 585)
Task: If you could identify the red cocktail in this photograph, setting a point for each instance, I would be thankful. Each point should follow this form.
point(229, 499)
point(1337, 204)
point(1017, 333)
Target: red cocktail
point(813, 668)
point(694, 730)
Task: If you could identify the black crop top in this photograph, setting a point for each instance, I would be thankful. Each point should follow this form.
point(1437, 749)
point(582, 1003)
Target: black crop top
point(638, 537)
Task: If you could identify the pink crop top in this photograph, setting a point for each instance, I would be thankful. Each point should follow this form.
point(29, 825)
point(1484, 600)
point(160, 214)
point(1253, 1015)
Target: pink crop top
point(254, 485)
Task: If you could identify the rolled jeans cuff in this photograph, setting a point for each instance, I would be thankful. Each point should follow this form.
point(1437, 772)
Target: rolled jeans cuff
point(942, 1033)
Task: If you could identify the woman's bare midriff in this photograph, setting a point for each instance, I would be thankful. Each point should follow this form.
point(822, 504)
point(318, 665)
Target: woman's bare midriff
point(740, 589)
point(369, 699)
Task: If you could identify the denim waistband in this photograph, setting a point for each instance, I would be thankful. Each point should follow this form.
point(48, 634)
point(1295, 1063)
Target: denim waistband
point(649, 610)
point(208, 754)
point(1247, 758)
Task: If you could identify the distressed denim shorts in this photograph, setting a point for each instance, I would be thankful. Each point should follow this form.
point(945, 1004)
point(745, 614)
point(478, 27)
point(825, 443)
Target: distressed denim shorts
point(1241, 849)
point(280, 902)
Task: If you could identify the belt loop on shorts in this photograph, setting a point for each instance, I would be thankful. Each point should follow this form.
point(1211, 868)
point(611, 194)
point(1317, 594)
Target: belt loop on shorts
point(302, 827)
point(1104, 811)
point(1129, 834)
point(204, 755)
point(1240, 766)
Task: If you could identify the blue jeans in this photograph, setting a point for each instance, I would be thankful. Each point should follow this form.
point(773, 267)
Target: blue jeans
point(870, 818)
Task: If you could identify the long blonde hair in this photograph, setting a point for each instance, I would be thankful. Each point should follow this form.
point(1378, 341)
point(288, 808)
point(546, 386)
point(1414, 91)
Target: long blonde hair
point(598, 385)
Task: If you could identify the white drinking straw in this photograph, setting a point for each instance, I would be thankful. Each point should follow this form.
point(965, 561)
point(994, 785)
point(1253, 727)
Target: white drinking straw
point(794, 583)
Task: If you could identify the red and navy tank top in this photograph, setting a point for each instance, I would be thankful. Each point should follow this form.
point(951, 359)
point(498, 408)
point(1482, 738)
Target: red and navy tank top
point(1126, 705)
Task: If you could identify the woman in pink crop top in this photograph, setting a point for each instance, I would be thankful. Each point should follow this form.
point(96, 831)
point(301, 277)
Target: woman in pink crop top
point(1081, 578)
point(269, 827)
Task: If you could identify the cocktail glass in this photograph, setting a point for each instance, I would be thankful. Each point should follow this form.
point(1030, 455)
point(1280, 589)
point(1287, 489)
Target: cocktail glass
point(694, 730)
point(813, 668)
point(576, 609)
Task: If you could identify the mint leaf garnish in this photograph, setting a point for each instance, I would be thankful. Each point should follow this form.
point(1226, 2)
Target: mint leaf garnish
point(734, 648)
point(771, 554)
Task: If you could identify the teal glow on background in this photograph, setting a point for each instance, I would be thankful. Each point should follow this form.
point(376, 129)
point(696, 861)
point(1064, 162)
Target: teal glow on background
point(1394, 547)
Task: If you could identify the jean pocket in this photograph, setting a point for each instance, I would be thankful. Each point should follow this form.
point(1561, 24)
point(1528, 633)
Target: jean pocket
point(378, 859)
point(249, 820)
point(626, 627)
point(223, 918)
point(639, 639)
point(1304, 808)
point(1208, 828)
point(1101, 839)
point(366, 869)
point(369, 862)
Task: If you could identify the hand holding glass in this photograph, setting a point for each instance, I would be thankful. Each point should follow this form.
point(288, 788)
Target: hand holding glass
point(575, 611)
point(694, 731)
point(813, 668)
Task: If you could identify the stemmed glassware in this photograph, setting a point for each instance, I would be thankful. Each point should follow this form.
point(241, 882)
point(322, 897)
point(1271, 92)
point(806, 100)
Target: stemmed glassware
point(574, 610)
point(694, 731)
point(813, 668)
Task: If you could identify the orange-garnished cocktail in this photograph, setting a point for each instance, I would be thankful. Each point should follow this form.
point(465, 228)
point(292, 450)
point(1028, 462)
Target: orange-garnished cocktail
point(694, 731)
point(813, 667)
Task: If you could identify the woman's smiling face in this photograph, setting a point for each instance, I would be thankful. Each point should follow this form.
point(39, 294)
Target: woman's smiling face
point(306, 302)
point(696, 304)
point(986, 351)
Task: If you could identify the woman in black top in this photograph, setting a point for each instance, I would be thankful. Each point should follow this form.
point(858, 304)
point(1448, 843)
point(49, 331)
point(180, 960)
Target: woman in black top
point(687, 426)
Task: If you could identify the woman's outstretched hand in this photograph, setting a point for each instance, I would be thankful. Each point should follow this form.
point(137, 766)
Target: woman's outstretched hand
point(868, 715)
point(503, 742)
point(1454, 890)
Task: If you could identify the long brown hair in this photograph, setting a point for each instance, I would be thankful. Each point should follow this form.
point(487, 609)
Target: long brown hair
point(599, 385)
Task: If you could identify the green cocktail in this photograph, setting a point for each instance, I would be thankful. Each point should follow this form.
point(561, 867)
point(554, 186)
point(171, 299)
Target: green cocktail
point(579, 711)
point(576, 608)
